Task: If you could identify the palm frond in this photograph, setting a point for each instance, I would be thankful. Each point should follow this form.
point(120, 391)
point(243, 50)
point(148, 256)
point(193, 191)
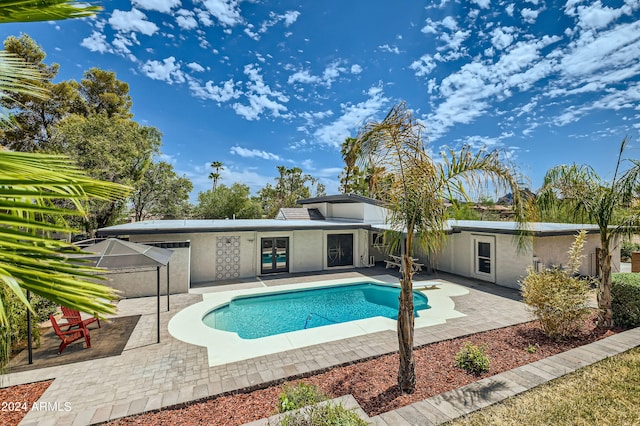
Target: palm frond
point(44, 10)
point(30, 258)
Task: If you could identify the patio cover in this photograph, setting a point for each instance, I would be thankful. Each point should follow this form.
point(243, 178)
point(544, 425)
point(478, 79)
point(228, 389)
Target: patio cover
point(115, 254)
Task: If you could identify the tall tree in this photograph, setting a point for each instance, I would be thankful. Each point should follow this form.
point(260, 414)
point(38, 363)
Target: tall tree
point(35, 114)
point(227, 203)
point(214, 176)
point(161, 192)
point(418, 186)
point(102, 92)
point(291, 186)
point(579, 191)
point(111, 149)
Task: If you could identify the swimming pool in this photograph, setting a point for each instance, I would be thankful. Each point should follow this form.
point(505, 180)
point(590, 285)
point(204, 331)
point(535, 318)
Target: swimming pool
point(225, 346)
point(271, 314)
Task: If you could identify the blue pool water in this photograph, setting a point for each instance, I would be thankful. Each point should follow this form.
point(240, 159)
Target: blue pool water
point(260, 316)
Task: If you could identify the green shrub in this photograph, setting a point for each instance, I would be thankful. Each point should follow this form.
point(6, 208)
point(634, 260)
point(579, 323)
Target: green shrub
point(626, 249)
point(557, 298)
point(323, 415)
point(298, 396)
point(625, 294)
point(473, 359)
point(16, 333)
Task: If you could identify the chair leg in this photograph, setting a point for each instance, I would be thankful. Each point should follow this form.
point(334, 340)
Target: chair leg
point(87, 339)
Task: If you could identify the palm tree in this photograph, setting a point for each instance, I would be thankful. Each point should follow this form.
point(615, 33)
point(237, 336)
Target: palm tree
point(214, 177)
point(29, 259)
point(418, 186)
point(29, 183)
point(217, 165)
point(579, 191)
point(350, 152)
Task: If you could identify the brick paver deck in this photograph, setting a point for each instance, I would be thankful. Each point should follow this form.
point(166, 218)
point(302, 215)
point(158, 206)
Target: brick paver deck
point(148, 376)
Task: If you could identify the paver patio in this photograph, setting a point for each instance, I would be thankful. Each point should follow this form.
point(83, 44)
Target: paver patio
point(148, 376)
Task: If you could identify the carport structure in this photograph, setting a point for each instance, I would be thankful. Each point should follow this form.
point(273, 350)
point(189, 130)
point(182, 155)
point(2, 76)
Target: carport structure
point(119, 255)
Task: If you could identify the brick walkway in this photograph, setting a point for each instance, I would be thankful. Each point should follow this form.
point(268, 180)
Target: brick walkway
point(148, 376)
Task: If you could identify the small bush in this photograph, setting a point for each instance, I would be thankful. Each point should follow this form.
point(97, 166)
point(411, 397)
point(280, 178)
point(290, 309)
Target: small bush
point(324, 415)
point(626, 249)
point(625, 294)
point(15, 335)
point(473, 359)
point(557, 298)
point(298, 396)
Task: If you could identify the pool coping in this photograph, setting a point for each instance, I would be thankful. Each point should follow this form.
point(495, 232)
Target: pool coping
point(224, 347)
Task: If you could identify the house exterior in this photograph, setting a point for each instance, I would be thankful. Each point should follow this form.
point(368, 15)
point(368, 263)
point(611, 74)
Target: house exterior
point(345, 231)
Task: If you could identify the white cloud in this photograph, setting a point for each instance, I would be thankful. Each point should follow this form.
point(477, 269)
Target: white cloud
point(353, 116)
point(423, 66)
point(303, 77)
point(329, 75)
point(254, 153)
point(186, 19)
point(390, 49)
point(260, 96)
point(97, 42)
point(195, 66)
point(502, 37)
point(163, 6)
point(509, 9)
point(529, 15)
point(167, 70)
point(290, 17)
point(483, 4)
point(226, 12)
point(133, 20)
point(613, 101)
point(356, 69)
point(219, 93)
point(596, 16)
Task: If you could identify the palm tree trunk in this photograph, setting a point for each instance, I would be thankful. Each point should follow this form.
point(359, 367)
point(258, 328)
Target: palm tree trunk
point(406, 371)
point(605, 313)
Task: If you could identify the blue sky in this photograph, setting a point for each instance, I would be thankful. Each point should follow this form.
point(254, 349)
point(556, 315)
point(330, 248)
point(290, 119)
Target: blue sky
point(258, 84)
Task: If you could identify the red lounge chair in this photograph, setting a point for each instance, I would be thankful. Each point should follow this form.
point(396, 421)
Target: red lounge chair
point(74, 319)
point(70, 336)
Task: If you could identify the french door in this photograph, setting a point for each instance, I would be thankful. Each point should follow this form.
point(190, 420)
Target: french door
point(274, 255)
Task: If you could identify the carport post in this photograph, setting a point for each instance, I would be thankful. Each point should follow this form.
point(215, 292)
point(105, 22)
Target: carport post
point(167, 286)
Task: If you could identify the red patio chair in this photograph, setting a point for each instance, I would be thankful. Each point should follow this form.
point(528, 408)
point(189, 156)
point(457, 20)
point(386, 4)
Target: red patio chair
point(74, 318)
point(70, 336)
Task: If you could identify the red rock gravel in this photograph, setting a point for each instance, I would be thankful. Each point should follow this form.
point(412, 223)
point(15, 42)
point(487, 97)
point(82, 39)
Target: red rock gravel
point(373, 382)
point(16, 401)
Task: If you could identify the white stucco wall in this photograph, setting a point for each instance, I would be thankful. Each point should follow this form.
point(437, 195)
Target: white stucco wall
point(143, 282)
point(457, 257)
point(552, 251)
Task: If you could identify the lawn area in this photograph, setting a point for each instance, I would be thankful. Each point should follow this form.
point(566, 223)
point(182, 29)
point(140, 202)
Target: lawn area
point(605, 393)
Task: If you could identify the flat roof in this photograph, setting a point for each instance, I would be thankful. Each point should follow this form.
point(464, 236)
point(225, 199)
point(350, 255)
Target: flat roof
point(341, 199)
point(230, 225)
point(222, 225)
point(508, 227)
